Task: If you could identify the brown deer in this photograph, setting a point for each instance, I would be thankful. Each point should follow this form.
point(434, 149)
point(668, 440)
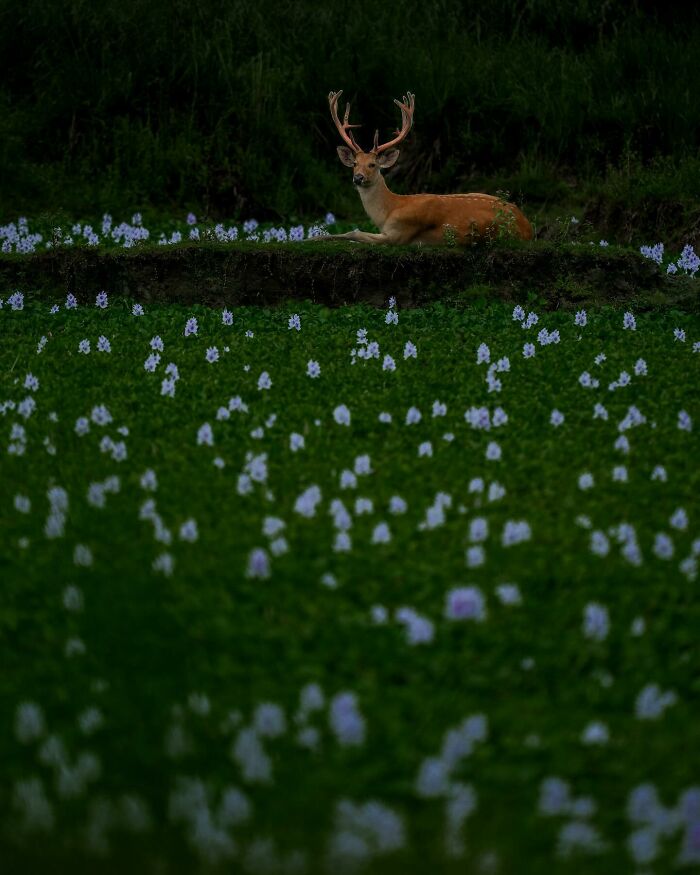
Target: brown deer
point(417, 218)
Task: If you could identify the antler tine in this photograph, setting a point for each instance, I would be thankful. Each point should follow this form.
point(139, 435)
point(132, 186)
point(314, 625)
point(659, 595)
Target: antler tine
point(344, 127)
point(407, 108)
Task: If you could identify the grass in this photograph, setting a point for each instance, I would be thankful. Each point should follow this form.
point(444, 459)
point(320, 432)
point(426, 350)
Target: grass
point(151, 640)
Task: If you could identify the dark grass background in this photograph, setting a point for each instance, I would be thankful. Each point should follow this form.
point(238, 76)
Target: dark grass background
point(222, 107)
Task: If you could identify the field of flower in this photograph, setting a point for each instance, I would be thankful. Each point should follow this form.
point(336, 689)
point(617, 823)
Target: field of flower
point(301, 590)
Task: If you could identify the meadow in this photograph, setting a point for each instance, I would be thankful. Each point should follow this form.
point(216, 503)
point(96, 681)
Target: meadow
point(298, 589)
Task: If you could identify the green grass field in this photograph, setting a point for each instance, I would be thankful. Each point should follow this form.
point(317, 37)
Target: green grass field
point(146, 630)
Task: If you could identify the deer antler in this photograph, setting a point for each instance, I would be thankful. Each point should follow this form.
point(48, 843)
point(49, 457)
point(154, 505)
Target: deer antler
point(344, 128)
point(406, 108)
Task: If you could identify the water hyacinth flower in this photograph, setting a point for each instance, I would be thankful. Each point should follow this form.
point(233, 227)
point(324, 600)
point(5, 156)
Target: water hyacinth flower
point(585, 481)
point(596, 622)
point(212, 355)
point(294, 322)
point(103, 344)
point(346, 721)
point(580, 318)
point(651, 703)
point(410, 350)
point(341, 415)
point(465, 603)
point(518, 313)
point(191, 326)
point(425, 450)
point(509, 594)
point(629, 322)
point(84, 346)
point(264, 381)
point(258, 564)
point(391, 318)
point(528, 350)
point(556, 418)
point(389, 364)
point(515, 532)
point(101, 300)
point(483, 354)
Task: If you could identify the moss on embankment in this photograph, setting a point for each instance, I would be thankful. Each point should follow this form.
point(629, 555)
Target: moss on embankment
point(344, 273)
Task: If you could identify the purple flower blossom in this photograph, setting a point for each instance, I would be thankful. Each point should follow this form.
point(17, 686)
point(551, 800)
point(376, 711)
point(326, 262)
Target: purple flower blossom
point(191, 326)
point(101, 300)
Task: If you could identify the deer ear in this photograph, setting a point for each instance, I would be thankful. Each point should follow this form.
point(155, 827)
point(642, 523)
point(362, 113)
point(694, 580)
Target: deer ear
point(388, 159)
point(346, 155)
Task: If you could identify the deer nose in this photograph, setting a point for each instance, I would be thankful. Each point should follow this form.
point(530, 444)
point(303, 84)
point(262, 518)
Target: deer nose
point(358, 178)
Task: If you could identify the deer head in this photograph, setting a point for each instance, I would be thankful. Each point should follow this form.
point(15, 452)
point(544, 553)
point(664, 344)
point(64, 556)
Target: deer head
point(366, 165)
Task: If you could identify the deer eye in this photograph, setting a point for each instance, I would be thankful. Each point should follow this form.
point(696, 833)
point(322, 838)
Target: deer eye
point(372, 165)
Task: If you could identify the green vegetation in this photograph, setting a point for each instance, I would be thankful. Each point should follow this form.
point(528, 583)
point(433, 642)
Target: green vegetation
point(121, 106)
point(153, 639)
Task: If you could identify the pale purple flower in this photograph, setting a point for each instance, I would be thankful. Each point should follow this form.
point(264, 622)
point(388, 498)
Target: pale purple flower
point(212, 354)
point(629, 322)
point(585, 481)
point(264, 381)
point(595, 733)
point(205, 436)
point(227, 317)
point(518, 313)
point(596, 622)
point(258, 564)
point(493, 451)
point(346, 721)
point(483, 354)
point(651, 702)
point(294, 322)
point(191, 219)
point(528, 350)
point(341, 415)
point(156, 344)
point(392, 317)
point(475, 556)
point(389, 364)
point(556, 418)
point(71, 302)
point(103, 344)
point(191, 326)
point(580, 318)
point(509, 594)
point(685, 423)
point(84, 346)
point(425, 450)
point(397, 505)
point(515, 532)
point(101, 300)
point(679, 334)
point(381, 534)
point(296, 442)
point(410, 350)
point(413, 415)
point(137, 310)
point(465, 603)
point(663, 546)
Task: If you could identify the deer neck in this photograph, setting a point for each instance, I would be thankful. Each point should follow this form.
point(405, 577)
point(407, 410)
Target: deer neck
point(378, 202)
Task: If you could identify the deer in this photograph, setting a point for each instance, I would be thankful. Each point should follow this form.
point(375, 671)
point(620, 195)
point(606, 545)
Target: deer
point(461, 219)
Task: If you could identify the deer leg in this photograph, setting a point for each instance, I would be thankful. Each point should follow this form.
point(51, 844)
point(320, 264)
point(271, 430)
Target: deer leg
point(360, 237)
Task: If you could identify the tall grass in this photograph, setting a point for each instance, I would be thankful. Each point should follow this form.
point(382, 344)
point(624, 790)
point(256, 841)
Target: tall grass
point(224, 107)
